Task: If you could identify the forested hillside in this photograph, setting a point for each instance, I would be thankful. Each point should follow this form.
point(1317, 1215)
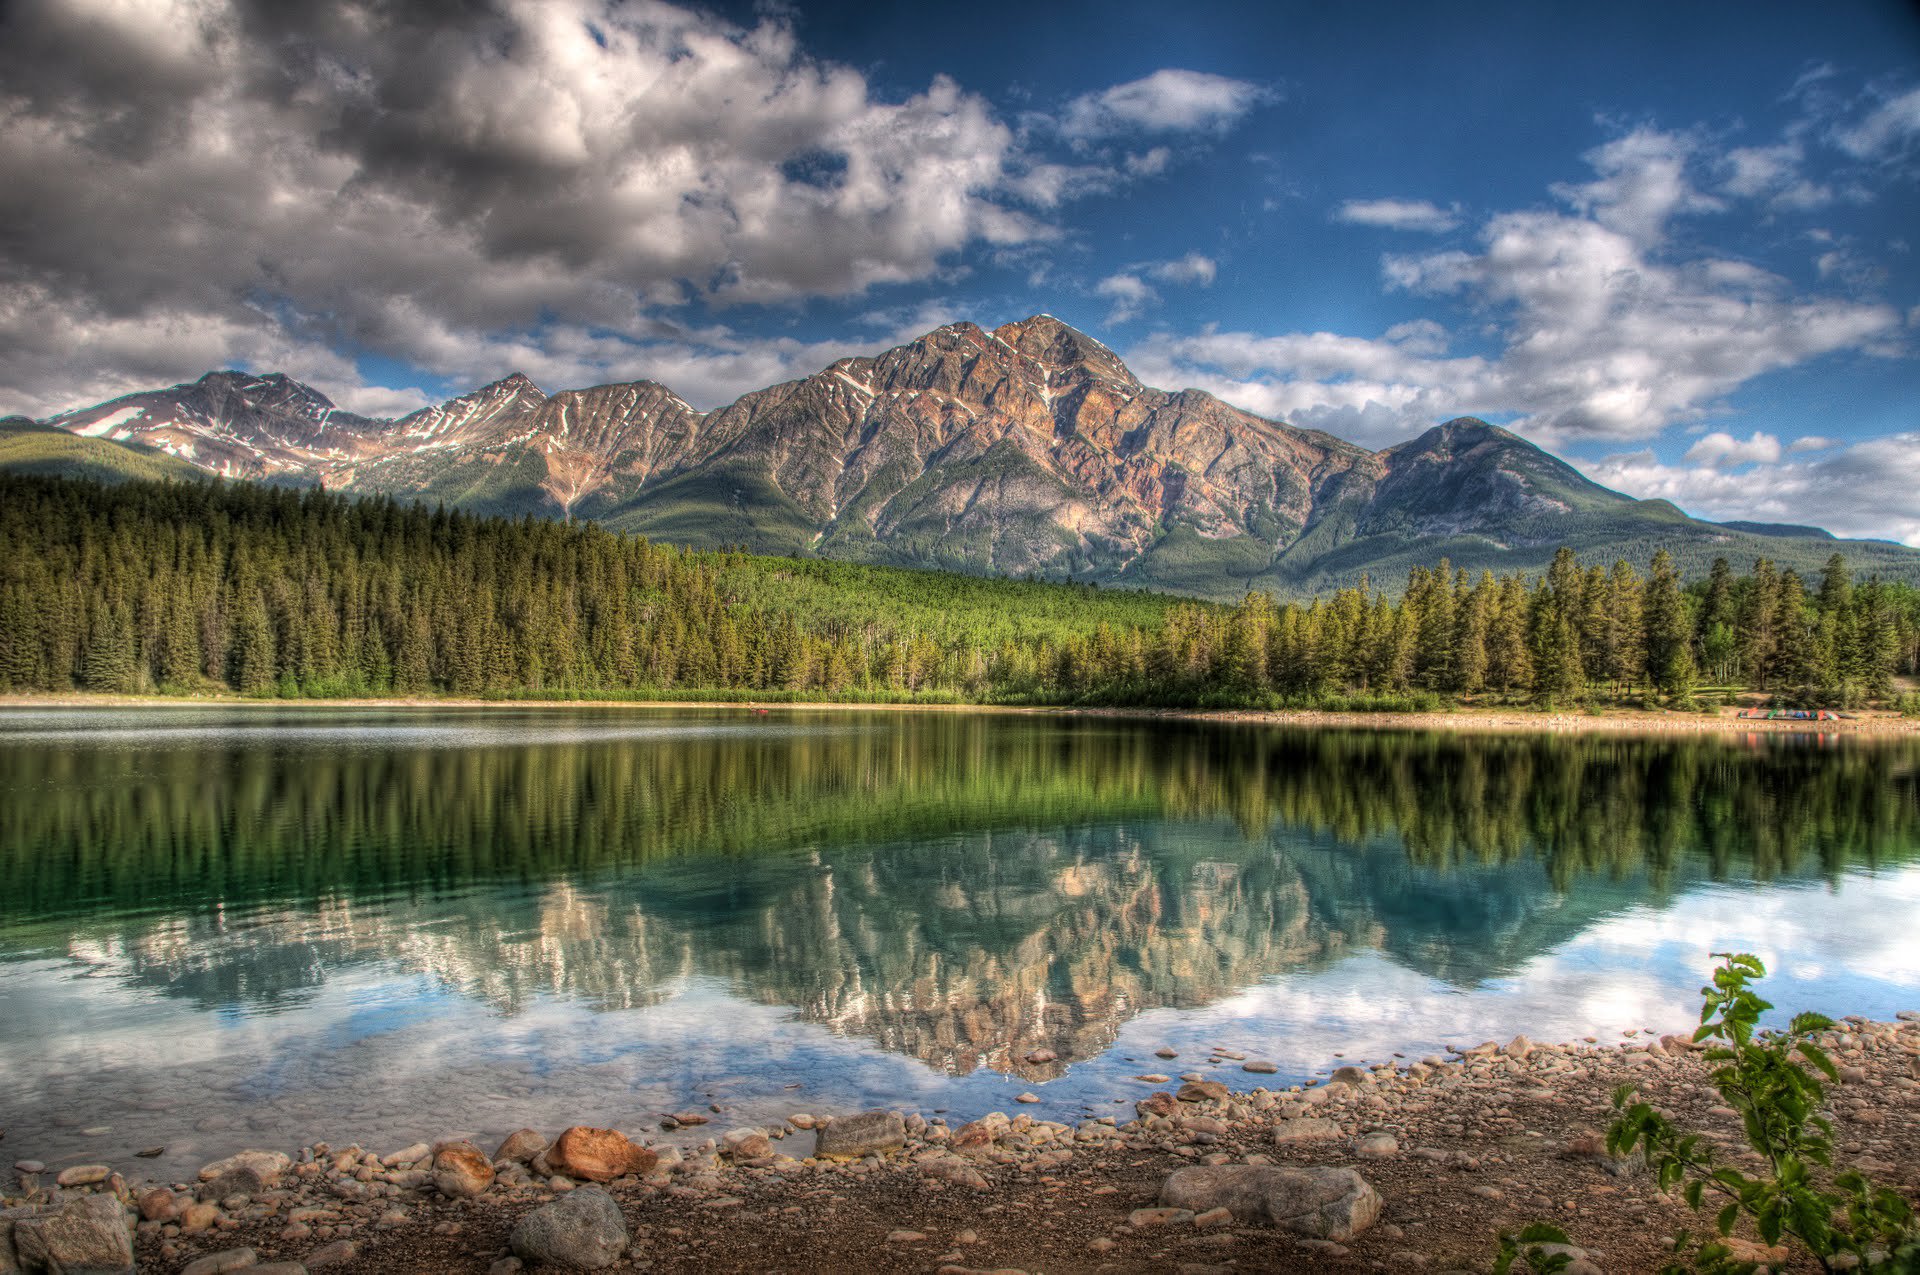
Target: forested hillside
point(195, 587)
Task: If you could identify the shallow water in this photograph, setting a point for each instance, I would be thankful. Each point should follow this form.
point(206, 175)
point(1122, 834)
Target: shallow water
point(263, 926)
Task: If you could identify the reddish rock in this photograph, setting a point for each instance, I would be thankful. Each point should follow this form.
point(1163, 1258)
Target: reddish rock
point(598, 1155)
point(461, 1171)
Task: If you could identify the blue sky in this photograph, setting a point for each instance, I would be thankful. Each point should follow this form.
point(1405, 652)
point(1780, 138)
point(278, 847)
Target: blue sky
point(1674, 243)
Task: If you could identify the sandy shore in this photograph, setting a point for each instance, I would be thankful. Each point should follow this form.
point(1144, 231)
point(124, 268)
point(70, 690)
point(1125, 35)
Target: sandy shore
point(1456, 1147)
point(1465, 719)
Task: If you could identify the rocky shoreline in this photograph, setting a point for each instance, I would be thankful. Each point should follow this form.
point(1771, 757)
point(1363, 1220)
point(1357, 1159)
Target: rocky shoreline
point(1502, 720)
point(1408, 1165)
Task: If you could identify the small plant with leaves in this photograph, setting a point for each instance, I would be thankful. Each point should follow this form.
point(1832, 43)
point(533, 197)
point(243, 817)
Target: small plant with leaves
point(1773, 1081)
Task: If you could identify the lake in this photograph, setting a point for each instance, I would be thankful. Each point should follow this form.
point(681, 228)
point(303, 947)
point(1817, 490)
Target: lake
point(260, 926)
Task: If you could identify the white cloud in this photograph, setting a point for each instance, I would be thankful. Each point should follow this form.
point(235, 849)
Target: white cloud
point(1885, 129)
point(1169, 100)
point(1812, 443)
point(1192, 268)
point(1721, 450)
point(1399, 214)
point(1600, 330)
point(178, 166)
point(1864, 490)
point(1129, 293)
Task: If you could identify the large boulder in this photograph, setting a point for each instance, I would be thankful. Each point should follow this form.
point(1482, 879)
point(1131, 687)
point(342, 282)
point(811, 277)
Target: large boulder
point(90, 1236)
point(461, 1171)
point(1324, 1204)
point(868, 1133)
point(583, 1230)
point(598, 1155)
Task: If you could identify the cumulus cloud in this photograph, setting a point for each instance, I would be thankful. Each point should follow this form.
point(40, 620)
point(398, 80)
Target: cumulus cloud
point(1863, 490)
point(1600, 330)
point(1721, 450)
point(1399, 214)
point(1132, 295)
point(1129, 293)
point(1167, 101)
point(210, 179)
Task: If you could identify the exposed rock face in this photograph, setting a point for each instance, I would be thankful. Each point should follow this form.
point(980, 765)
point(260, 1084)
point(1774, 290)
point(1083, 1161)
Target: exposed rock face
point(1031, 448)
point(869, 1132)
point(92, 1235)
point(581, 1231)
point(1324, 1204)
point(598, 1155)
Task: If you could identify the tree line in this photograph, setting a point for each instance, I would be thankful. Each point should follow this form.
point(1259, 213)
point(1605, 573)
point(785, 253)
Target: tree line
point(200, 587)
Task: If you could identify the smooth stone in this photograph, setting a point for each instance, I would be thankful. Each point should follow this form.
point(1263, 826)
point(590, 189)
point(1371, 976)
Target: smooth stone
point(1377, 1146)
point(332, 1254)
point(84, 1175)
point(1306, 1129)
point(1325, 1204)
point(598, 1155)
point(265, 1165)
point(1260, 1068)
point(461, 1171)
point(581, 1231)
point(1202, 1091)
point(1355, 1076)
point(1027, 1097)
point(232, 1259)
point(521, 1146)
point(1041, 1056)
point(29, 1166)
point(869, 1132)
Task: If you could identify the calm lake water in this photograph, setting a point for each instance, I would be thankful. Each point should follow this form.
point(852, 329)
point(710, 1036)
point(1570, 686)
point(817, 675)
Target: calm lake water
point(263, 926)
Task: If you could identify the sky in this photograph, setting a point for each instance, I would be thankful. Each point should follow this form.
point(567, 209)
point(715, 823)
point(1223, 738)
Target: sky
point(1674, 243)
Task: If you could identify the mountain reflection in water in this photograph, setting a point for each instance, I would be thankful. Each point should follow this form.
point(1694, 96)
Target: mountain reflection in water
point(958, 889)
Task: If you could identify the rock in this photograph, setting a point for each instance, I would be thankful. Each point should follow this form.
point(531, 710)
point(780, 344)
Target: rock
point(84, 1175)
point(598, 1155)
point(1377, 1146)
point(869, 1132)
point(1202, 1091)
point(747, 1144)
point(232, 1259)
point(1141, 1219)
point(581, 1231)
point(1305, 1129)
point(1260, 1068)
point(521, 1146)
point(1161, 1103)
point(506, 1266)
point(265, 1165)
point(955, 1170)
point(1027, 1097)
point(1355, 1076)
point(159, 1205)
point(278, 1268)
point(1212, 1218)
point(1326, 1204)
point(1040, 1056)
point(415, 1154)
point(198, 1216)
point(1518, 1048)
point(460, 1171)
point(233, 1182)
point(905, 1237)
point(332, 1254)
point(92, 1235)
point(801, 1120)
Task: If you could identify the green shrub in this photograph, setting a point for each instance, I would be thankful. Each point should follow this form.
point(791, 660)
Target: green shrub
point(1772, 1080)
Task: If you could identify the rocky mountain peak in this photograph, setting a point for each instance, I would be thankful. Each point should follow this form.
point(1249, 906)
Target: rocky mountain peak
point(1058, 348)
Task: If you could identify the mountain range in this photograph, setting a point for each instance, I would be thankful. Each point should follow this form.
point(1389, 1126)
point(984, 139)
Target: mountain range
point(1030, 449)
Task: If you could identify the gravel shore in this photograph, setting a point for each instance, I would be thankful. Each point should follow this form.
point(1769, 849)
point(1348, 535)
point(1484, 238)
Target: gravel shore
point(1417, 1165)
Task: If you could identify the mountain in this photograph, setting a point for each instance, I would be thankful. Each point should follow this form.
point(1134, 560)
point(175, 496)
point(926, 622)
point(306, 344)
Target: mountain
point(1031, 449)
point(28, 447)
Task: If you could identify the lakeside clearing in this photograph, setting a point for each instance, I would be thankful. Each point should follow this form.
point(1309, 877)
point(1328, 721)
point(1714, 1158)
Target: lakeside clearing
point(1504, 719)
point(1453, 1149)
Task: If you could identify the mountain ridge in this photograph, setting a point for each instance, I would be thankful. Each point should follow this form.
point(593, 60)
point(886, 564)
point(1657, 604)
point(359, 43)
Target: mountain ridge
point(1030, 449)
